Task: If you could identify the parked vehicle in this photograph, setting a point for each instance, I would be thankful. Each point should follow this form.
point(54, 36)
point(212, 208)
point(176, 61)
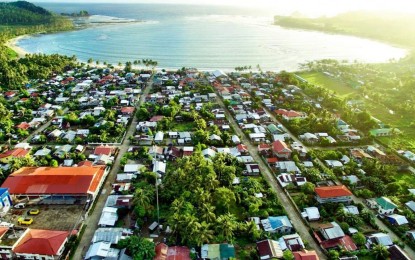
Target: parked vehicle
point(20, 206)
point(33, 212)
point(25, 221)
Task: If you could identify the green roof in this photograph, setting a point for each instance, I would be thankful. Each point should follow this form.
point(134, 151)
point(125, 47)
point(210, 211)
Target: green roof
point(385, 203)
point(213, 251)
point(227, 251)
point(381, 131)
point(272, 128)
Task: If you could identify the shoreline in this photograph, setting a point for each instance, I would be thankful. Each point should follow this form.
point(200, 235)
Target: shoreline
point(13, 44)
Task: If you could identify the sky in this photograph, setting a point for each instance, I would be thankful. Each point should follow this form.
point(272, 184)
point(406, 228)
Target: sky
point(309, 7)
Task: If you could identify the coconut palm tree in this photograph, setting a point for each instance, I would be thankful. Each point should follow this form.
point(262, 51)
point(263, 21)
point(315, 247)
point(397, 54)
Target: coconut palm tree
point(380, 251)
point(226, 225)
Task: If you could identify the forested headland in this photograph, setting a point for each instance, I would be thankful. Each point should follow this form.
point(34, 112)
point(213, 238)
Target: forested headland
point(21, 17)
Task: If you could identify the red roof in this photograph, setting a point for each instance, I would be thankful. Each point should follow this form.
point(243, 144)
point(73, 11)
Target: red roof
point(307, 255)
point(332, 191)
point(127, 110)
point(163, 252)
point(41, 242)
point(23, 125)
point(178, 253)
point(85, 163)
point(290, 113)
point(18, 152)
point(10, 94)
point(156, 118)
point(264, 147)
point(272, 160)
point(107, 150)
point(242, 148)
point(59, 180)
point(3, 230)
point(345, 242)
point(280, 146)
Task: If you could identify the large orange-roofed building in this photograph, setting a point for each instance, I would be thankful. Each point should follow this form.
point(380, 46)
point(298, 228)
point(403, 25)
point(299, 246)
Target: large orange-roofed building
point(48, 182)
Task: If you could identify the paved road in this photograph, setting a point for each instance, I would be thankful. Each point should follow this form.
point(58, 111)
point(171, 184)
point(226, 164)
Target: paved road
point(292, 213)
point(41, 129)
point(93, 218)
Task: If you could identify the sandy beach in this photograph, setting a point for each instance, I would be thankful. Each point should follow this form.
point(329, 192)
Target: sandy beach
point(12, 44)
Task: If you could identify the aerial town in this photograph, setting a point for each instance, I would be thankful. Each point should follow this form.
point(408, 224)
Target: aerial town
point(110, 163)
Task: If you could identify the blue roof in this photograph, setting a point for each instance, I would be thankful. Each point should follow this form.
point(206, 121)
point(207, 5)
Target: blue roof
point(280, 221)
point(3, 190)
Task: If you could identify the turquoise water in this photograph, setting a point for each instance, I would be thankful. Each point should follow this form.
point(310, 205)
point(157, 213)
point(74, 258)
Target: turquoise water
point(206, 37)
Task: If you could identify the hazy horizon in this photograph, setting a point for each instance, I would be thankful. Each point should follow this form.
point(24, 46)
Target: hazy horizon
point(312, 8)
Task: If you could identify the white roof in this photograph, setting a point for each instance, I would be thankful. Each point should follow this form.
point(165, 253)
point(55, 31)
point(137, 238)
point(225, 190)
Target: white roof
point(400, 220)
point(312, 213)
point(159, 167)
point(109, 217)
point(133, 167)
point(102, 250)
point(159, 136)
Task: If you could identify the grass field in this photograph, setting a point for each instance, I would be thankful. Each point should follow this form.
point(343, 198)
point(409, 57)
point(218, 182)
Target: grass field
point(183, 126)
point(319, 79)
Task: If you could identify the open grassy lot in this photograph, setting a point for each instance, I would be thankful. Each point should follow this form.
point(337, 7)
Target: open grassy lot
point(53, 217)
point(339, 87)
point(405, 178)
point(183, 126)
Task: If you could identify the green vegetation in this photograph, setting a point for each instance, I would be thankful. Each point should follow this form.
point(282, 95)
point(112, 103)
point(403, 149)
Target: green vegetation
point(21, 17)
point(389, 27)
point(386, 91)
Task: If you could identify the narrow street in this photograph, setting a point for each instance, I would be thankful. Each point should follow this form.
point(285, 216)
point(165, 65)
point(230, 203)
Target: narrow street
point(41, 129)
point(292, 213)
point(92, 220)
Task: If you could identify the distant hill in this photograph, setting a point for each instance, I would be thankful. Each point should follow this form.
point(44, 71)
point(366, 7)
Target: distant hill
point(21, 17)
point(395, 28)
point(23, 13)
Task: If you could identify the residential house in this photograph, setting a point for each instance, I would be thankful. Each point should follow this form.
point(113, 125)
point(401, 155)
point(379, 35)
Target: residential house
point(286, 179)
point(305, 255)
point(40, 244)
point(397, 220)
point(159, 167)
point(218, 251)
point(291, 242)
point(269, 249)
point(281, 150)
point(333, 194)
point(6, 156)
point(287, 167)
point(257, 137)
point(383, 204)
point(280, 224)
point(290, 114)
point(332, 236)
point(379, 239)
point(311, 213)
point(252, 169)
point(109, 217)
point(102, 250)
point(164, 252)
point(62, 151)
point(411, 205)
